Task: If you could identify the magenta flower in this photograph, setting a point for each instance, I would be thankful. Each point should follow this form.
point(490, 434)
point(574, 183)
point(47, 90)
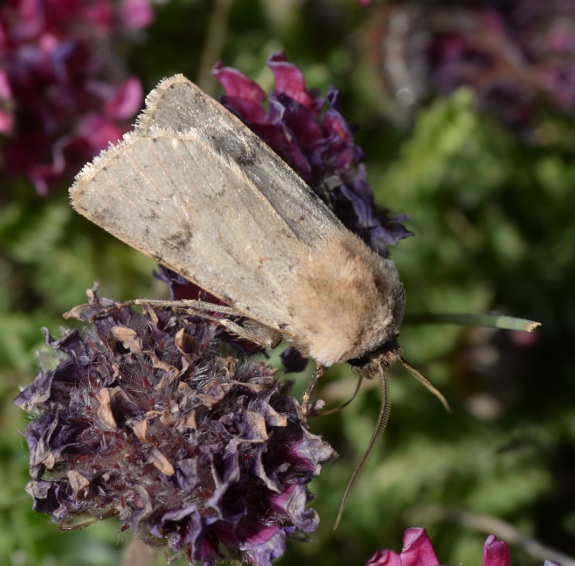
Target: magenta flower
point(418, 551)
point(495, 552)
point(63, 97)
point(6, 116)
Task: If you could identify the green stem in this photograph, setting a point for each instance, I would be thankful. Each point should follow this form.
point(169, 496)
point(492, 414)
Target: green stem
point(489, 320)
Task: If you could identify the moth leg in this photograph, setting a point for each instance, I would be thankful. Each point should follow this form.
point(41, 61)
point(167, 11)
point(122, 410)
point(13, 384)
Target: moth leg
point(193, 305)
point(317, 375)
point(250, 330)
point(93, 310)
point(344, 405)
point(259, 334)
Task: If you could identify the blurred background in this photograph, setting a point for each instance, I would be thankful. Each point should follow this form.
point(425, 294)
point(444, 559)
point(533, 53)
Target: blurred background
point(465, 112)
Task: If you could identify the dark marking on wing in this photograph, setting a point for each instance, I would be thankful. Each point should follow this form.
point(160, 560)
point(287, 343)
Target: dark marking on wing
point(233, 149)
point(178, 240)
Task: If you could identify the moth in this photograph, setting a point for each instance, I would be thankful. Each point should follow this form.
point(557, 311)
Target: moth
point(192, 187)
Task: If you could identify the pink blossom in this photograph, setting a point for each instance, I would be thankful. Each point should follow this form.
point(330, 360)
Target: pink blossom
point(6, 118)
point(136, 14)
point(418, 551)
point(58, 105)
point(495, 552)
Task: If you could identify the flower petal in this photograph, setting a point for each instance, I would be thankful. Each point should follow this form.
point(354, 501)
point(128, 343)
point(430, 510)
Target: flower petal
point(417, 549)
point(496, 552)
point(384, 558)
point(237, 85)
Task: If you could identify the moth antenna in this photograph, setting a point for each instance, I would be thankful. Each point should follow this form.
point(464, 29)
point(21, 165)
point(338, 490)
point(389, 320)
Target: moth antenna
point(426, 383)
point(382, 419)
point(344, 405)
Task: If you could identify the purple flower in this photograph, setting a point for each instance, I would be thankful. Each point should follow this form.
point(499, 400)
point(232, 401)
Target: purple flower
point(518, 57)
point(62, 83)
point(145, 417)
point(418, 551)
point(6, 116)
point(308, 132)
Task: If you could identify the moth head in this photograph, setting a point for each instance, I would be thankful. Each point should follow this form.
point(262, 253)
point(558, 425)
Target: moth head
point(374, 363)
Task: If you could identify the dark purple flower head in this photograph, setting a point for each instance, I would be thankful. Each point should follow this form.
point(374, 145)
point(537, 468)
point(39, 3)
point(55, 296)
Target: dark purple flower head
point(309, 133)
point(418, 551)
point(64, 84)
point(144, 417)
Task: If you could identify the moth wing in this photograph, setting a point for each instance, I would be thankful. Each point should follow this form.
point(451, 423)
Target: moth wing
point(179, 192)
point(177, 104)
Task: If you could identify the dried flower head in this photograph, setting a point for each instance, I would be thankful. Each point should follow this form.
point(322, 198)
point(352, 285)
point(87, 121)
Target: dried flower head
point(144, 418)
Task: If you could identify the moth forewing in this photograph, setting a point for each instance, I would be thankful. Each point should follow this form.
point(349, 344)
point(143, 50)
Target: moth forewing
point(195, 189)
point(177, 104)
